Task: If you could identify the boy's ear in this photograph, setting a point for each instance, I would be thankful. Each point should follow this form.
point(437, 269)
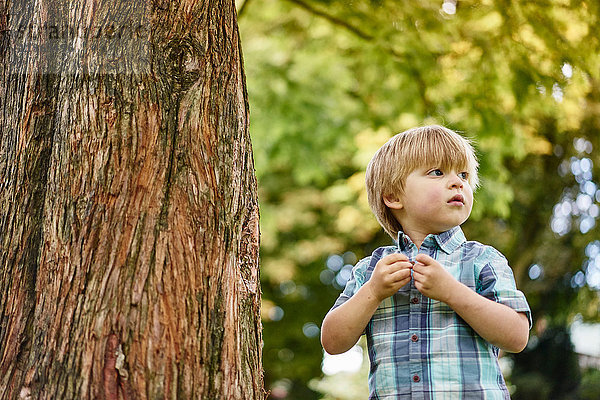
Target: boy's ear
point(393, 202)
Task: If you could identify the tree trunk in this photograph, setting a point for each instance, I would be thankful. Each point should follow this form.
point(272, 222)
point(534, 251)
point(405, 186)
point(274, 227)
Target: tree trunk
point(128, 205)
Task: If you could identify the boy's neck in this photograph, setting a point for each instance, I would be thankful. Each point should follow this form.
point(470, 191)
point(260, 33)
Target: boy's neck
point(417, 237)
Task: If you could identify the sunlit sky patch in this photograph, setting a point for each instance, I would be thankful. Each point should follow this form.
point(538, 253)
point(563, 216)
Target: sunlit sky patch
point(449, 7)
point(349, 361)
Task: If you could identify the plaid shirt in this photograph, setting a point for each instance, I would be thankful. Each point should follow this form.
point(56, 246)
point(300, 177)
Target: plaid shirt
point(420, 348)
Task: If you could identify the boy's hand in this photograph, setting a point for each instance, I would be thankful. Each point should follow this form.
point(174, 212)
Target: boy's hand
point(390, 274)
point(432, 279)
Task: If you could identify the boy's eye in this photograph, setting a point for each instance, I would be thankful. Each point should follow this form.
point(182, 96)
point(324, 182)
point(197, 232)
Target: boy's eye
point(463, 175)
point(435, 172)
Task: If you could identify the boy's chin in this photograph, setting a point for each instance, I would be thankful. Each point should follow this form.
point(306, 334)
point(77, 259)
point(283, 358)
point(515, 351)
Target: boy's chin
point(450, 225)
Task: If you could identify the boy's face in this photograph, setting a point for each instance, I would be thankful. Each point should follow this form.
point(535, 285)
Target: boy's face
point(434, 200)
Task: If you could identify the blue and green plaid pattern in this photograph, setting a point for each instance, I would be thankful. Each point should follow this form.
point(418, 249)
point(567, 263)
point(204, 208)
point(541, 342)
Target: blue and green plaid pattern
point(420, 348)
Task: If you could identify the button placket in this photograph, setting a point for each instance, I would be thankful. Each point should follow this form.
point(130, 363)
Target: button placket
point(416, 308)
point(415, 328)
point(415, 370)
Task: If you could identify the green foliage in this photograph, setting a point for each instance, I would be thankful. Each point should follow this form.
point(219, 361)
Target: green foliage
point(330, 81)
point(548, 368)
point(590, 385)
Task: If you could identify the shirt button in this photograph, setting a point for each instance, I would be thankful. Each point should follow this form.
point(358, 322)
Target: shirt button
point(416, 378)
point(414, 300)
point(414, 338)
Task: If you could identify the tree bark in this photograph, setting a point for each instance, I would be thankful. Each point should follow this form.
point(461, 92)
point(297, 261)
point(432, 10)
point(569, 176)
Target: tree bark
point(128, 204)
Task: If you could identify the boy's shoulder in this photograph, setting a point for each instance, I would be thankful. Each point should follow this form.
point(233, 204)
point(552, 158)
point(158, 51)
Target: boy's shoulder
point(473, 248)
point(485, 260)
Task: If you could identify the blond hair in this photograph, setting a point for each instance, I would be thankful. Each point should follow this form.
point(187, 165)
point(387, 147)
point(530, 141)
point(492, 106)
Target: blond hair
point(429, 146)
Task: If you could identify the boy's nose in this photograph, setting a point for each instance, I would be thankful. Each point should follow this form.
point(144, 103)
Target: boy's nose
point(455, 181)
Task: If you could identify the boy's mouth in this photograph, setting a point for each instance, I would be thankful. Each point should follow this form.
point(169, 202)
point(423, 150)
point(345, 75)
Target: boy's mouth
point(457, 200)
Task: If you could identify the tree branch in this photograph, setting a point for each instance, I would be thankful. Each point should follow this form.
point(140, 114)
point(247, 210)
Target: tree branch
point(242, 8)
point(334, 20)
point(344, 24)
point(422, 86)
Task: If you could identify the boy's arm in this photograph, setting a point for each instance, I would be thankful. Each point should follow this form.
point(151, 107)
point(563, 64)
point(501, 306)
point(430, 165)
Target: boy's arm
point(497, 323)
point(343, 325)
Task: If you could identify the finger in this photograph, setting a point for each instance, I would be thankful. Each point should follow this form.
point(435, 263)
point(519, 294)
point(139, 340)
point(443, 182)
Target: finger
point(394, 257)
point(418, 276)
point(424, 259)
point(402, 283)
point(399, 265)
point(400, 275)
point(402, 279)
point(420, 267)
point(421, 284)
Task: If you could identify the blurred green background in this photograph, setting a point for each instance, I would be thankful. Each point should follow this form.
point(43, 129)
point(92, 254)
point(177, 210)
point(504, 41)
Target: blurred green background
point(330, 81)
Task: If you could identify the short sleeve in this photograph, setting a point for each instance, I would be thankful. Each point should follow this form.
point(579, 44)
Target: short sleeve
point(496, 282)
point(357, 279)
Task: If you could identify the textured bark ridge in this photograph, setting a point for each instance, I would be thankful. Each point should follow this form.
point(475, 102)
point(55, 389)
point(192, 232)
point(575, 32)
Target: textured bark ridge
point(128, 206)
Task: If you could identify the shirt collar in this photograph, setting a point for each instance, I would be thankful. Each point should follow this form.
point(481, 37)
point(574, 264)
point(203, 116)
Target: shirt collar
point(448, 241)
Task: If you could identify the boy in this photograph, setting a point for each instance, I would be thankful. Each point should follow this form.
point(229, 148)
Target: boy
point(435, 308)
